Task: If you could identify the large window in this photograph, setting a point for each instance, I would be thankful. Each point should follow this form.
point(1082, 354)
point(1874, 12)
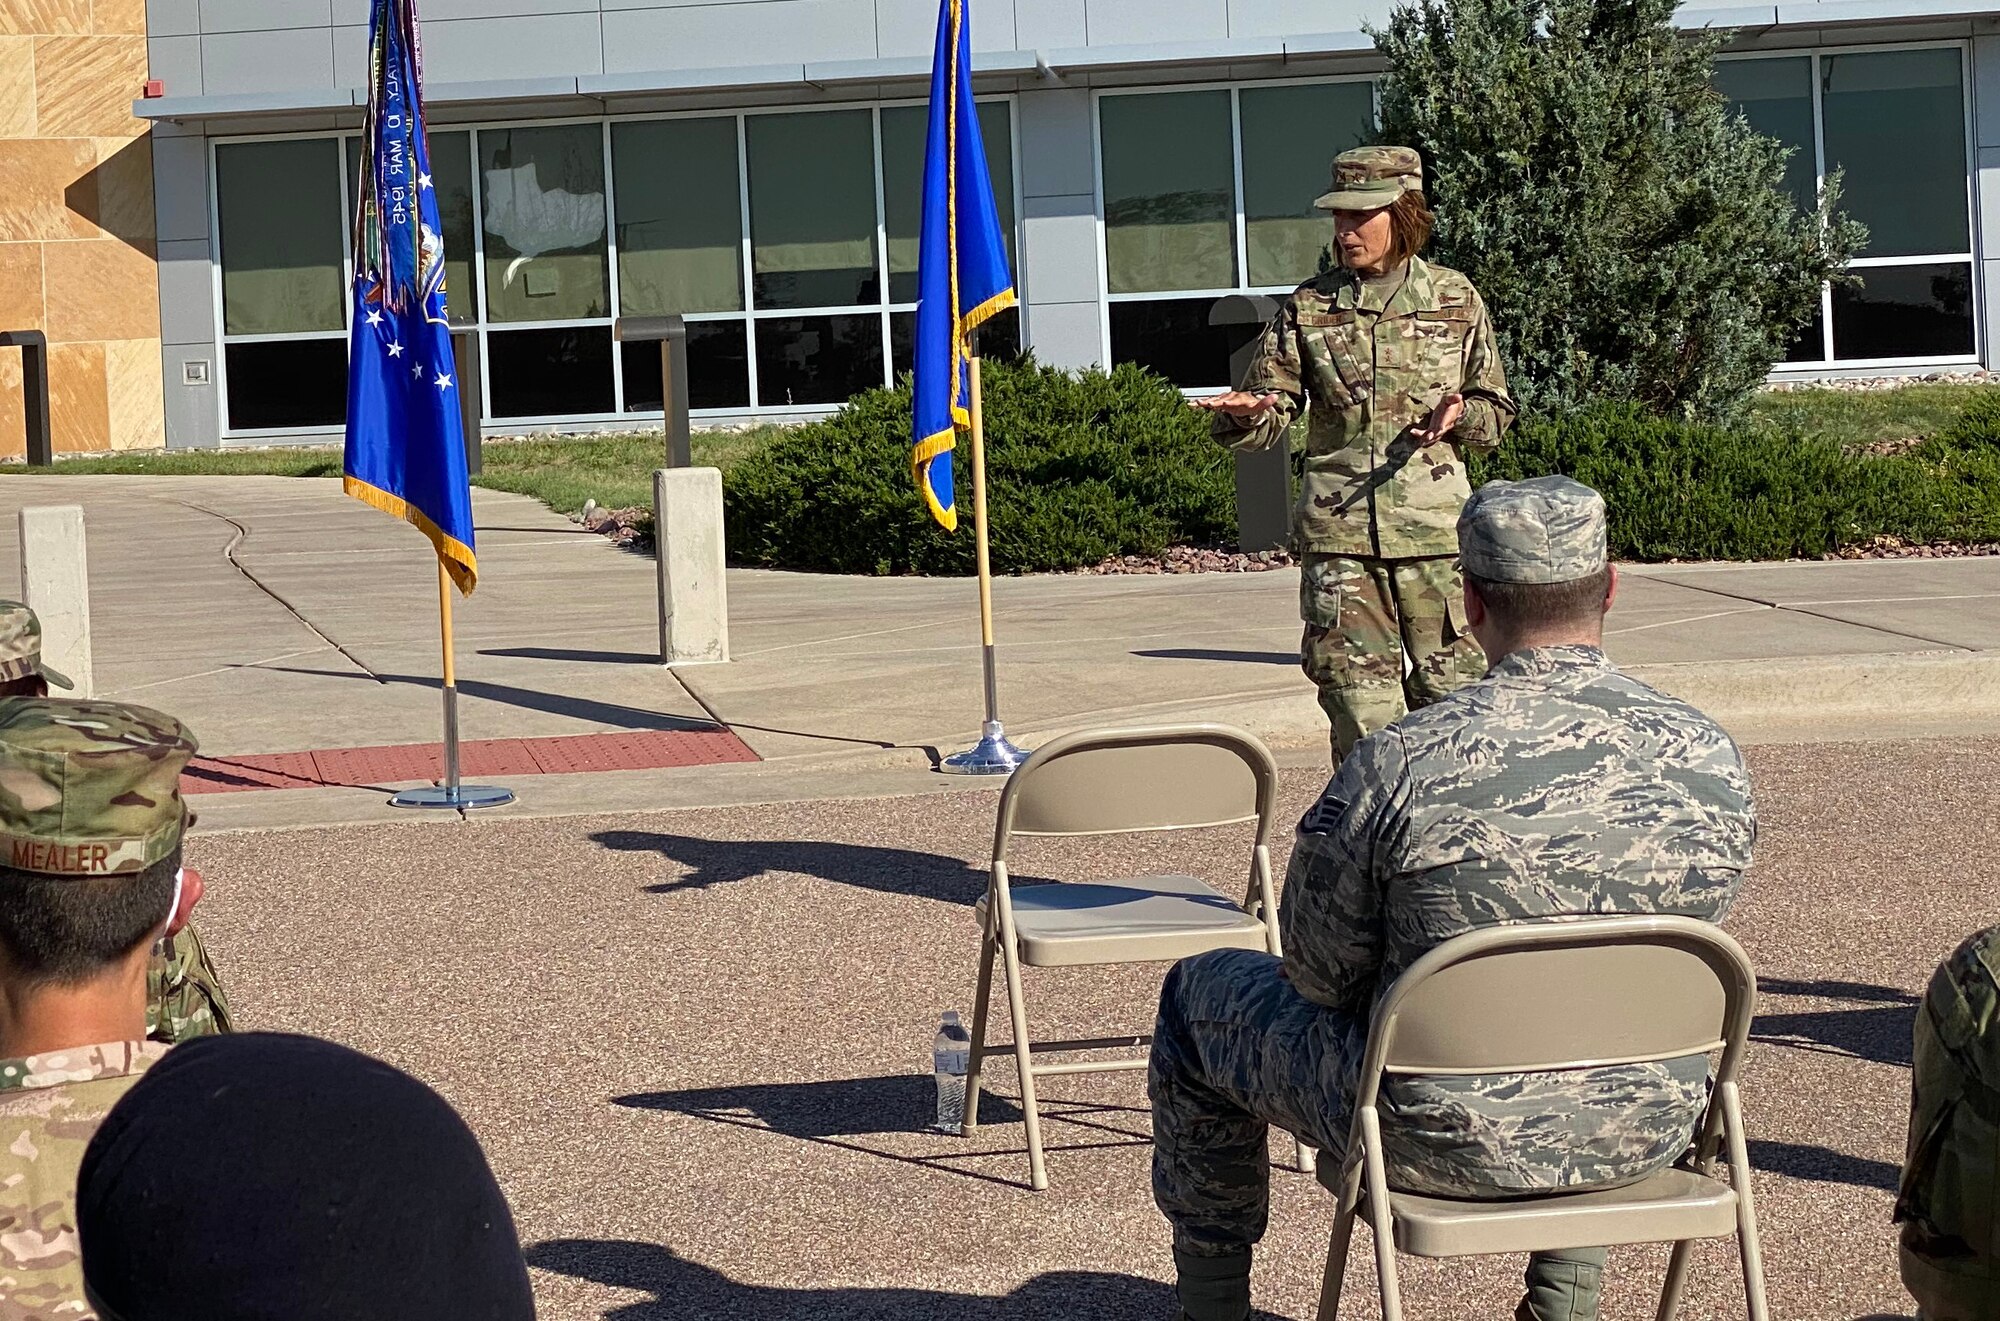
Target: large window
point(1893, 122)
point(283, 250)
point(1207, 202)
point(787, 239)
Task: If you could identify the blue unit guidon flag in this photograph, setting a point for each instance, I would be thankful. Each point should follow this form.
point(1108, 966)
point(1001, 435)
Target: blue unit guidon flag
point(962, 278)
point(405, 440)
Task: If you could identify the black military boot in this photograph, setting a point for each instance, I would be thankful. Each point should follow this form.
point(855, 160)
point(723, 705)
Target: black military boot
point(1214, 1288)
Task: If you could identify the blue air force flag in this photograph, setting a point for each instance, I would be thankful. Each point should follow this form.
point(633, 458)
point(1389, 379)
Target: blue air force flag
point(405, 442)
point(962, 278)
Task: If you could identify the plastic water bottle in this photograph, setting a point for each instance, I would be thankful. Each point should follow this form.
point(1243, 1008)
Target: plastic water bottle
point(951, 1056)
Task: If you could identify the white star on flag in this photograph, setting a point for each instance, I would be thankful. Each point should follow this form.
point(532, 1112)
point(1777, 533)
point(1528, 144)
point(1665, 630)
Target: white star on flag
point(374, 318)
point(443, 381)
point(395, 350)
point(417, 370)
point(423, 181)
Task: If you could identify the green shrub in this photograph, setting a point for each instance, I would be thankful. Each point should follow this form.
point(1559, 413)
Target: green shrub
point(1628, 229)
point(1961, 464)
point(1080, 467)
point(1690, 491)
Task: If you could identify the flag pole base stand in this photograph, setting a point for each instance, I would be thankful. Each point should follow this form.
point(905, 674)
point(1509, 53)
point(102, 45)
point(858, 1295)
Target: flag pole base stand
point(464, 798)
point(993, 755)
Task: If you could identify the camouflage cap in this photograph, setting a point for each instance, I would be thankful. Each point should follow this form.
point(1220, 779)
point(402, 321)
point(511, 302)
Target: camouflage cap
point(21, 646)
point(1369, 178)
point(1543, 530)
point(89, 788)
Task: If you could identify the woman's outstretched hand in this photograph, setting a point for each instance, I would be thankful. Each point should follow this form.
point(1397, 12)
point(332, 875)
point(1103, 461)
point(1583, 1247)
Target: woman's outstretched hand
point(1238, 403)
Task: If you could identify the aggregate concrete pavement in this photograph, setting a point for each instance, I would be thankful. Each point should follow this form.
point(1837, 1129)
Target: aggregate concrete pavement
point(278, 615)
point(695, 1043)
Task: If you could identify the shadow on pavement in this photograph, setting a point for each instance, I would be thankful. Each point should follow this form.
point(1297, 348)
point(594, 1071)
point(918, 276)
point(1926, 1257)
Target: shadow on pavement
point(1836, 990)
point(844, 1107)
point(1290, 658)
point(839, 1112)
point(652, 659)
point(528, 699)
point(1880, 1032)
point(1822, 1165)
point(866, 866)
point(682, 1288)
point(1880, 1035)
point(566, 654)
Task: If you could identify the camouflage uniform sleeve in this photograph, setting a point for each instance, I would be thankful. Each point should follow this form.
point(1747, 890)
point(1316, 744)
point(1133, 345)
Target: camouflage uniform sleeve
point(1489, 409)
point(184, 996)
point(1348, 849)
point(1275, 370)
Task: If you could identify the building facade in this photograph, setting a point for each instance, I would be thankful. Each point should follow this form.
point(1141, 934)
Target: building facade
point(76, 221)
point(753, 166)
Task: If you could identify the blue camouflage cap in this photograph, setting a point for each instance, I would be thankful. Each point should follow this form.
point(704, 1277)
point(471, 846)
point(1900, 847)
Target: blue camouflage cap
point(1543, 530)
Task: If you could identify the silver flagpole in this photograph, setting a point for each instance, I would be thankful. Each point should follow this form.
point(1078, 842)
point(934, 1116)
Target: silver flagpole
point(993, 755)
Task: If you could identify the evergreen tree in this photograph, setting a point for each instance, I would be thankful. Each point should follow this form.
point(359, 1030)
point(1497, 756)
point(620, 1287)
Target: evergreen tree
point(1629, 232)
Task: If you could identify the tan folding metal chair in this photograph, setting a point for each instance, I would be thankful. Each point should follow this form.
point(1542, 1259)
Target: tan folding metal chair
point(1560, 995)
point(1109, 782)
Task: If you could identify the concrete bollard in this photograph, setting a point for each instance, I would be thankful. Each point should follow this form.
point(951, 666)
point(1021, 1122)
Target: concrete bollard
point(55, 584)
point(694, 594)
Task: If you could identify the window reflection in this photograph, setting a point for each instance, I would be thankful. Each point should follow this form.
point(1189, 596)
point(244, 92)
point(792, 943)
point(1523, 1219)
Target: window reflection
point(999, 338)
point(718, 369)
point(560, 371)
point(812, 209)
point(1904, 312)
point(1895, 123)
point(1775, 96)
point(287, 383)
point(542, 197)
point(817, 360)
point(1174, 338)
point(284, 242)
point(680, 217)
point(1290, 137)
point(1169, 192)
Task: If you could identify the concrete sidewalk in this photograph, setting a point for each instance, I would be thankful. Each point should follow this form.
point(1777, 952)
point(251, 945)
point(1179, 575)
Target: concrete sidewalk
point(277, 615)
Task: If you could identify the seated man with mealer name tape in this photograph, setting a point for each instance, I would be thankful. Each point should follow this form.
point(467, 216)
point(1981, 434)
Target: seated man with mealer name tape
point(91, 821)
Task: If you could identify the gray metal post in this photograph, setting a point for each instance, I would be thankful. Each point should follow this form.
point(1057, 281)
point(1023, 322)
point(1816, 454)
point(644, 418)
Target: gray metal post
point(1263, 477)
point(471, 395)
point(671, 334)
point(34, 346)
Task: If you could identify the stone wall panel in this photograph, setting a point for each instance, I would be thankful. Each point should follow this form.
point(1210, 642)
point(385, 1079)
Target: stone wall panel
point(79, 416)
point(37, 18)
point(17, 87)
point(50, 191)
point(101, 289)
point(77, 221)
point(85, 86)
point(20, 286)
point(135, 402)
point(13, 436)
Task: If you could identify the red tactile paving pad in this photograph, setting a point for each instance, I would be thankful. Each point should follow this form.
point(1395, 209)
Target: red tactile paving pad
point(284, 770)
point(393, 765)
point(639, 750)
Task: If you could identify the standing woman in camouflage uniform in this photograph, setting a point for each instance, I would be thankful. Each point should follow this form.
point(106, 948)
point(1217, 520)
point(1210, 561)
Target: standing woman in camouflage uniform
point(1396, 358)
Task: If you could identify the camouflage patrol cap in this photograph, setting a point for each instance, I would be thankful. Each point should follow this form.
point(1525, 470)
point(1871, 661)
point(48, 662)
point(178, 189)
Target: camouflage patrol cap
point(1369, 178)
point(21, 646)
point(1543, 530)
point(89, 788)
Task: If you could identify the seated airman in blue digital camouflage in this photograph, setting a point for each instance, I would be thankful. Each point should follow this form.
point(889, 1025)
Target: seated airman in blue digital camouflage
point(1555, 786)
